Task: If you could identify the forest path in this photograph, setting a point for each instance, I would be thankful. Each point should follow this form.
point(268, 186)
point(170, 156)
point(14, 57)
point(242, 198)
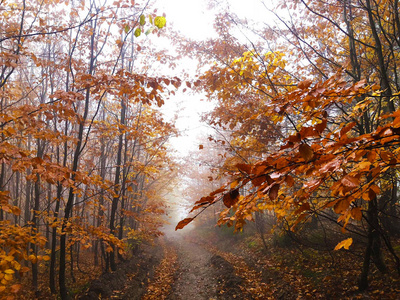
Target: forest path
point(195, 277)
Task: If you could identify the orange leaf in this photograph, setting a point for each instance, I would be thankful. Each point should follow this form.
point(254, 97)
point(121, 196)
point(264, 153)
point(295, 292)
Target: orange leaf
point(304, 207)
point(341, 206)
point(350, 181)
point(306, 152)
point(15, 288)
point(320, 127)
point(304, 84)
point(356, 213)
point(244, 168)
point(344, 244)
point(183, 223)
point(289, 181)
point(347, 128)
point(201, 147)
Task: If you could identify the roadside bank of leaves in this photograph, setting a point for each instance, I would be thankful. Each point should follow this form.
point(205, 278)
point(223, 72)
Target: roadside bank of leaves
point(251, 284)
point(161, 284)
point(129, 280)
point(298, 271)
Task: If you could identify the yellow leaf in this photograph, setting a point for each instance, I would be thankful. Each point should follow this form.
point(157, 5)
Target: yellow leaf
point(8, 277)
point(344, 244)
point(33, 258)
point(46, 258)
point(9, 271)
point(234, 184)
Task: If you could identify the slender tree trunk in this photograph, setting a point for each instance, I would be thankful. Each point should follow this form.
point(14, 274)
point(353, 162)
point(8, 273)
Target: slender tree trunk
point(35, 220)
point(117, 189)
point(75, 165)
point(373, 249)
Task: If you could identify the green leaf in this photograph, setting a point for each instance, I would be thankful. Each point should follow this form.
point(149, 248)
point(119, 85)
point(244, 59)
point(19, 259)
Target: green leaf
point(138, 32)
point(127, 28)
point(148, 31)
point(142, 20)
point(160, 21)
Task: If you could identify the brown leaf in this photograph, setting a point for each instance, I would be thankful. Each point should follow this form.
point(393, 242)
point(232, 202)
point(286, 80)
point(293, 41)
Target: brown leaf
point(304, 207)
point(259, 180)
point(231, 198)
point(306, 152)
point(183, 223)
point(304, 84)
point(244, 168)
point(320, 127)
point(273, 192)
point(350, 181)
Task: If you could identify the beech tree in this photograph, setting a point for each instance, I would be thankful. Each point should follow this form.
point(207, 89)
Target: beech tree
point(330, 90)
point(81, 143)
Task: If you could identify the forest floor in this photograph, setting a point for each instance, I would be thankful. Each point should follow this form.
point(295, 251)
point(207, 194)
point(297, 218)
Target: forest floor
point(211, 266)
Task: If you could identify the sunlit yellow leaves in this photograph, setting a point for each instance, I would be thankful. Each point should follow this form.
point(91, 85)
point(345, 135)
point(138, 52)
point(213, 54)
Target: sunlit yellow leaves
point(138, 32)
point(160, 22)
point(33, 258)
point(142, 20)
point(344, 244)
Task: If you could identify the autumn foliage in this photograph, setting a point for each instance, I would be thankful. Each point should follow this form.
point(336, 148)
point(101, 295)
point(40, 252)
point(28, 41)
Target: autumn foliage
point(313, 125)
point(82, 145)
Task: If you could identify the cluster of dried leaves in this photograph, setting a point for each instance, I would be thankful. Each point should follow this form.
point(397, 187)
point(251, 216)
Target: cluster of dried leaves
point(160, 286)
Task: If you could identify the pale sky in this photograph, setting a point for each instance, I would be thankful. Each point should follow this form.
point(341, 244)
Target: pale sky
point(192, 19)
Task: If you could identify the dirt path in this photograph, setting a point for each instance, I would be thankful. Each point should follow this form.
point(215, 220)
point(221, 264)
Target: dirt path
point(195, 277)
